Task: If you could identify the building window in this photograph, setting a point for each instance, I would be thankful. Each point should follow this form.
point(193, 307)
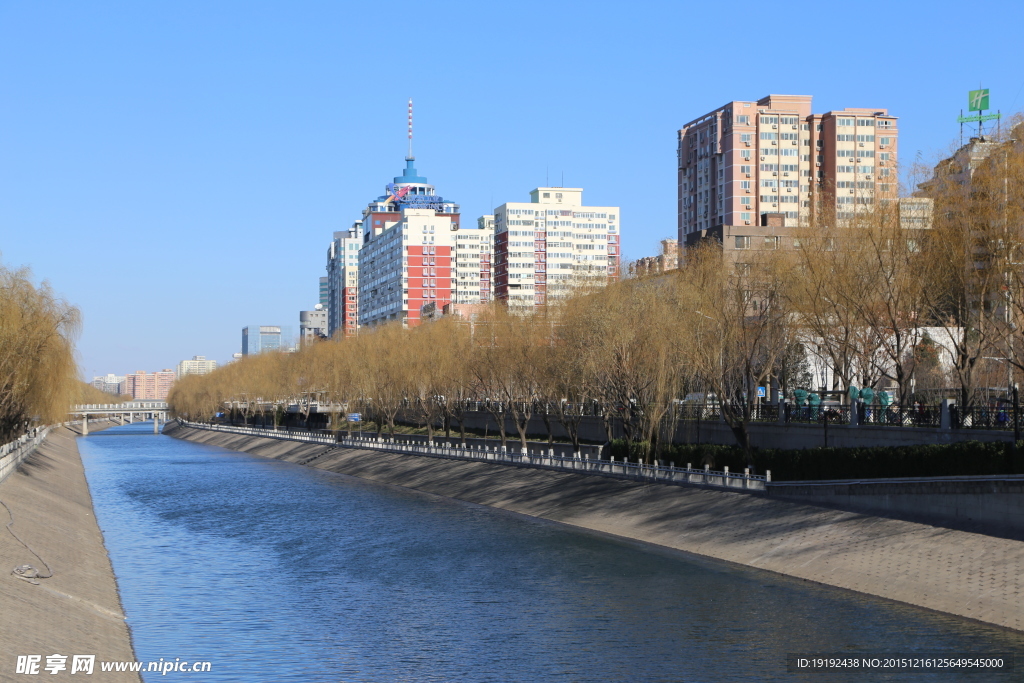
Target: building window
point(745, 216)
point(742, 242)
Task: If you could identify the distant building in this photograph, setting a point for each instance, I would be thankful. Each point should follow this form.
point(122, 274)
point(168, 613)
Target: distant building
point(197, 366)
point(343, 282)
point(654, 265)
point(548, 246)
point(312, 325)
point(465, 311)
point(110, 384)
point(960, 168)
point(259, 338)
point(916, 212)
point(153, 386)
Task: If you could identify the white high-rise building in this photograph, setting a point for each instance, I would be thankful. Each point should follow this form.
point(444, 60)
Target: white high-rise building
point(343, 281)
point(472, 283)
point(546, 247)
point(197, 366)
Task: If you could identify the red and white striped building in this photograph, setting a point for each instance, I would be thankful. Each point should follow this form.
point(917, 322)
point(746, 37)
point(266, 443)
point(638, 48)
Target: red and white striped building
point(406, 262)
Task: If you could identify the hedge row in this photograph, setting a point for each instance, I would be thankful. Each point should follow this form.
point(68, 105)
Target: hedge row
point(934, 460)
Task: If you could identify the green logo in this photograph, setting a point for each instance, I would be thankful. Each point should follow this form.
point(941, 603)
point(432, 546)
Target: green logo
point(978, 100)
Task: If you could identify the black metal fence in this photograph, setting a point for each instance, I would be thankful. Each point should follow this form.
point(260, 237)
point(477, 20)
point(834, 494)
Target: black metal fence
point(999, 416)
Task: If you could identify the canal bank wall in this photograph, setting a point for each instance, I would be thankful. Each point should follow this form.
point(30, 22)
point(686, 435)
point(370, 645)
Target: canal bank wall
point(77, 610)
point(762, 434)
point(957, 572)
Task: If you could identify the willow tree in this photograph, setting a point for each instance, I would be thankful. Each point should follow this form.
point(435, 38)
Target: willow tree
point(738, 329)
point(970, 262)
point(38, 374)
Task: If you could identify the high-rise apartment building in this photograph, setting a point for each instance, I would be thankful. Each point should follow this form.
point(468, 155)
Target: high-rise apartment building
point(197, 366)
point(747, 159)
point(153, 386)
point(547, 246)
point(405, 263)
point(343, 281)
point(260, 338)
point(473, 250)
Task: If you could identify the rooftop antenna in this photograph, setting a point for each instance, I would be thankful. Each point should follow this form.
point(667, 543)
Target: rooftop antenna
point(410, 130)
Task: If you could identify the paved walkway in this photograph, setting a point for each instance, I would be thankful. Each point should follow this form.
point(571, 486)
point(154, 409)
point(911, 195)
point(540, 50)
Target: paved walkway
point(958, 572)
point(78, 611)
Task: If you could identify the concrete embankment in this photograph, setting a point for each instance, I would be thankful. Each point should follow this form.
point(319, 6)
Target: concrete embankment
point(78, 610)
point(992, 505)
point(967, 574)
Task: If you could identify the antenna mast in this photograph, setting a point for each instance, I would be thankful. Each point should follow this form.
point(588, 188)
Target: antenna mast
point(410, 129)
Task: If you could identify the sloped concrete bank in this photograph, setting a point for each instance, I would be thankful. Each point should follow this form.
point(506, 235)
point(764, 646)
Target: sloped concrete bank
point(77, 611)
point(957, 572)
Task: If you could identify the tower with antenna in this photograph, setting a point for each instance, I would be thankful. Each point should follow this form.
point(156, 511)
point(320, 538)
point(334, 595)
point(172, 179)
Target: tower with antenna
point(406, 259)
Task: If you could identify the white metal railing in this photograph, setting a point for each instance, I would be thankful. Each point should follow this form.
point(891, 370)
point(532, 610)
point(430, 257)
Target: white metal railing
point(12, 454)
point(126, 407)
point(619, 469)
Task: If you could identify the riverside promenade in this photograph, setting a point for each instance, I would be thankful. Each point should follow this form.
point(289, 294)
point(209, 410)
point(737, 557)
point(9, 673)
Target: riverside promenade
point(78, 610)
point(967, 574)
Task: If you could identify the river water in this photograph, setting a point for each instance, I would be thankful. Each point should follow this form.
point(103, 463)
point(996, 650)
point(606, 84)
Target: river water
point(277, 572)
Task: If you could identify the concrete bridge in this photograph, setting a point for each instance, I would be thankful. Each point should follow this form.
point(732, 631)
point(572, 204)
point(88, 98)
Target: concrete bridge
point(127, 412)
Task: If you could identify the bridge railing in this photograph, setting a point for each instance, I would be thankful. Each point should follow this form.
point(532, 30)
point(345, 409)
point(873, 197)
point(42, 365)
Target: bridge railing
point(127, 407)
point(536, 458)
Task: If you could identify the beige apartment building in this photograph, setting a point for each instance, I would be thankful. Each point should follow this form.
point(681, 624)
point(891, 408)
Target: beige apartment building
point(197, 366)
point(774, 156)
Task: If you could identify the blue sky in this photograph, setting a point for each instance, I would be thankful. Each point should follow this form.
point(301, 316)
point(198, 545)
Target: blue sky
point(176, 169)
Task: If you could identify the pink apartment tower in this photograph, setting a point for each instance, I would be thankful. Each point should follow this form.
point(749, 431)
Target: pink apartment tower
point(773, 156)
